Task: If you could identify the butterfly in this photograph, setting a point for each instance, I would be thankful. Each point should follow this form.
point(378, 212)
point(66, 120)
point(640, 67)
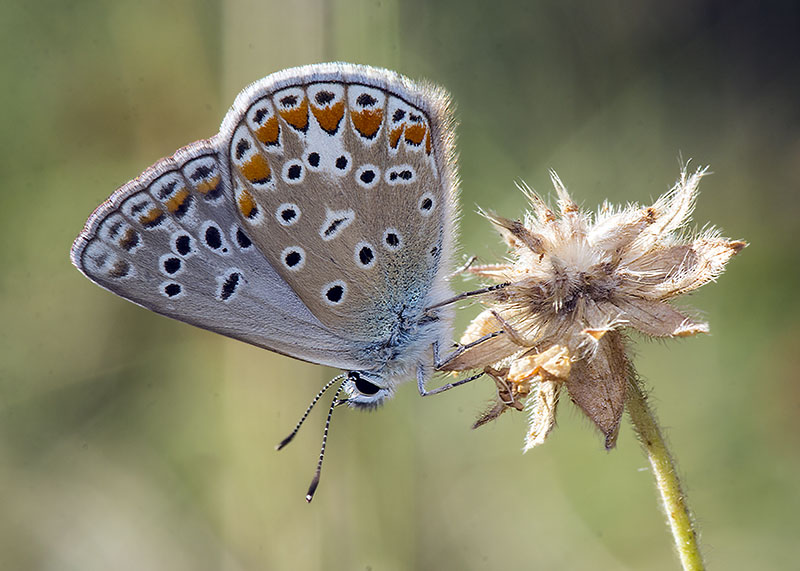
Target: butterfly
point(319, 223)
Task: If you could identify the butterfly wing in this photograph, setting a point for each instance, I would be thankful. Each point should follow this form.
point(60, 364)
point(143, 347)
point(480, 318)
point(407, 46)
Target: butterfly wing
point(321, 214)
point(343, 176)
point(171, 241)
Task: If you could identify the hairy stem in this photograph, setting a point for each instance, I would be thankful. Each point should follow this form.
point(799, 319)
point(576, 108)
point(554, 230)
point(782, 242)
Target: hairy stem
point(667, 480)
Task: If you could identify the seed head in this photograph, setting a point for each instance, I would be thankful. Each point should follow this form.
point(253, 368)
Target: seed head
point(575, 282)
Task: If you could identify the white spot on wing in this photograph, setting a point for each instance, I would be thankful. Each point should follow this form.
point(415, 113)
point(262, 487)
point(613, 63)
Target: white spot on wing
point(392, 240)
point(287, 214)
point(335, 222)
point(294, 172)
point(172, 290)
point(229, 284)
point(334, 293)
point(367, 176)
point(426, 204)
point(170, 265)
point(293, 258)
point(183, 244)
point(400, 174)
point(364, 255)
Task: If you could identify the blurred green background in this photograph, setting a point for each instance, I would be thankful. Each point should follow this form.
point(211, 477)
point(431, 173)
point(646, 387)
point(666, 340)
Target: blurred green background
point(128, 441)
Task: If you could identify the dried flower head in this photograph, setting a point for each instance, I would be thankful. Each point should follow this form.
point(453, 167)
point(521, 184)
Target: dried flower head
point(575, 280)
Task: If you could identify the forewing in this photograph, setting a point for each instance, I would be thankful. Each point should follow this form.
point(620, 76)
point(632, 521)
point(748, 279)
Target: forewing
point(343, 178)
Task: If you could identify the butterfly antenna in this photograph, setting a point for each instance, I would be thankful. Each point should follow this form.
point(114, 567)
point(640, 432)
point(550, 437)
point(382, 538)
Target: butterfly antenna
point(315, 480)
point(289, 438)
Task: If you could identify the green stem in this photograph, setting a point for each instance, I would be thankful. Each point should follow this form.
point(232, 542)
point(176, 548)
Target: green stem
point(667, 480)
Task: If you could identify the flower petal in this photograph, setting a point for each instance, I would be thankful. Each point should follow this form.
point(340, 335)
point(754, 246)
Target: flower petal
point(515, 233)
point(667, 272)
point(601, 316)
point(657, 318)
point(613, 232)
point(672, 210)
point(645, 272)
point(485, 353)
point(552, 364)
point(711, 253)
point(542, 413)
point(598, 385)
point(542, 213)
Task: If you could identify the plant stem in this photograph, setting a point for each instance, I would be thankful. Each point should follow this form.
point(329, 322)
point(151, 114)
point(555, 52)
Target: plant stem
point(667, 480)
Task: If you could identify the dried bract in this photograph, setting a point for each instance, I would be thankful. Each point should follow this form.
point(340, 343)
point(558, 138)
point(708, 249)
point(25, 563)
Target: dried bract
point(575, 280)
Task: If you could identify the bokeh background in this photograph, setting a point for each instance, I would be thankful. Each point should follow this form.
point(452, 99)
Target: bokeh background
point(128, 441)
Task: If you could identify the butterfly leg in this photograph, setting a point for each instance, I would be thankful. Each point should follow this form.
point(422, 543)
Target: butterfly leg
point(438, 364)
point(424, 392)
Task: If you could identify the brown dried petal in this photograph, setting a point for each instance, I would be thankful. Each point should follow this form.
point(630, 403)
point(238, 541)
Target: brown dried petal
point(485, 353)
point(483, 324)
point(657, 318)
point(652, 268)
point(506, 399)
point(565, 202)
point(492, 413)
point(599, 316)
point(515, 233)
point(615, 232)
point(598, 385)
point(672, 210)
point(708, 259)
point(490, 351)
point(541, 211)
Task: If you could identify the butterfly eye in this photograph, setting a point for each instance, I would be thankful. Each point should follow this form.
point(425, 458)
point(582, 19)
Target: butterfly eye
point(365, 394)
point(364, 386)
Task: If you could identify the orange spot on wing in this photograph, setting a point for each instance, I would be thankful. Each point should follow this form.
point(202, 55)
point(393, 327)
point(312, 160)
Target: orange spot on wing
point(206, 186)
point(247, 205)
point(174, 204)
point(298, 116)
point(256, 169)
point(329, 117)
point(269, 131)
point(367, 122)
point(428, 142)
point(152, 218)
point(120, 269)
point(415, 134)
point(394, 136)
point(129, 240)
